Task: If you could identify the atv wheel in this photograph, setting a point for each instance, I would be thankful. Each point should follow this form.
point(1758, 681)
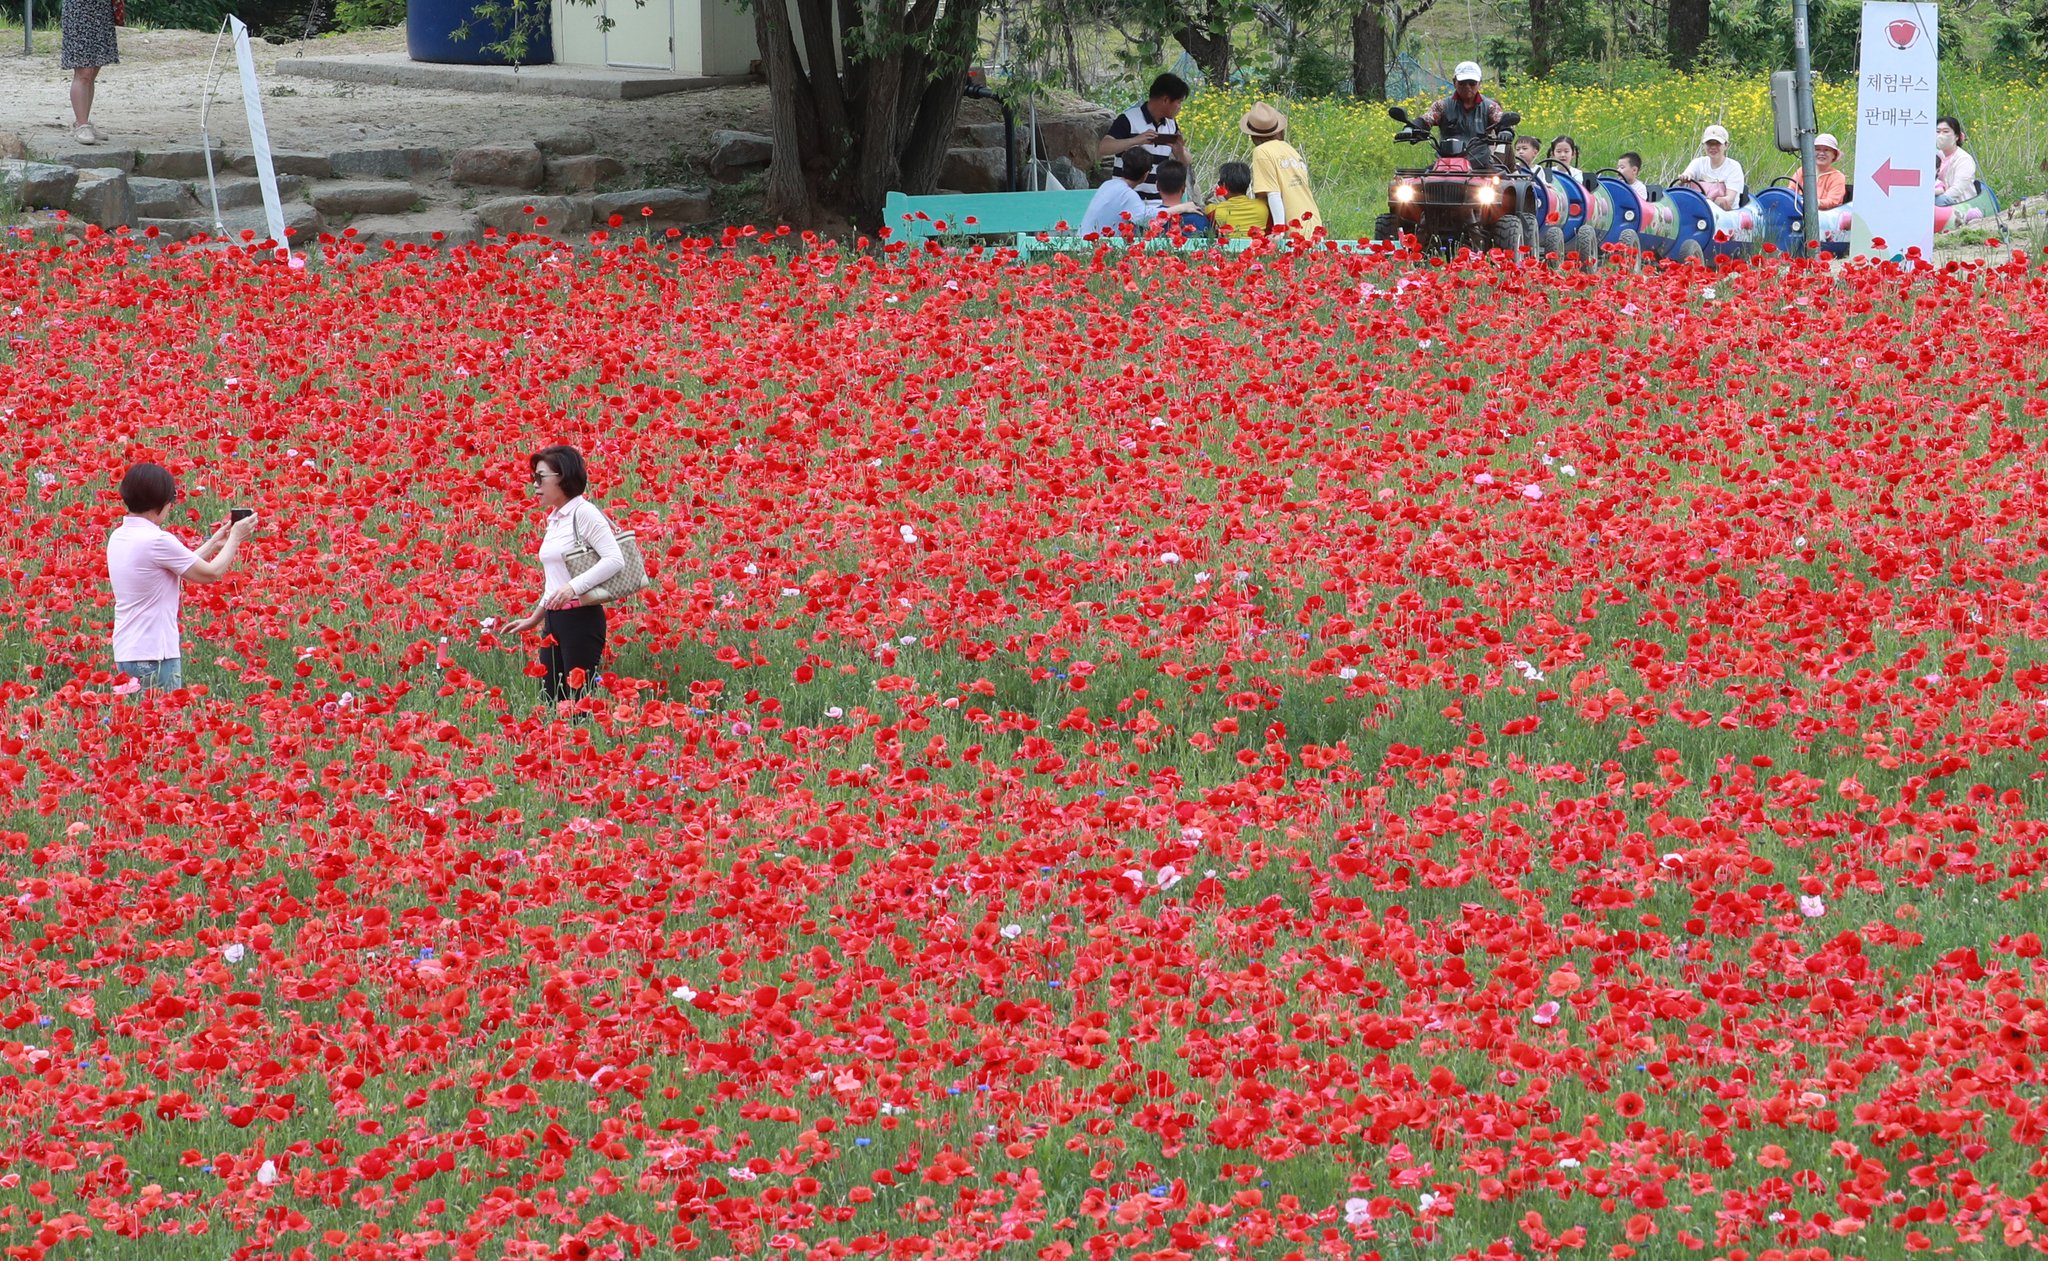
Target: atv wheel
point(1586, 244)
point(1552, 241)
point(1532, 236)
point(1631, 247)
point(1386, 228)
point(1507, 234)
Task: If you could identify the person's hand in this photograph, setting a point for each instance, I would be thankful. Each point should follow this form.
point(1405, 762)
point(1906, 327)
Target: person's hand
point(240, 531)
point(220, 532)
point(560, 598)
point(1147, 137)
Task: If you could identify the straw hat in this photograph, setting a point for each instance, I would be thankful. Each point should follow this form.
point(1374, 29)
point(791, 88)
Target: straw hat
point(1263, 122)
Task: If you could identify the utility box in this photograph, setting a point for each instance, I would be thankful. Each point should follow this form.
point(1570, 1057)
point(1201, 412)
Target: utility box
point(1785, 110)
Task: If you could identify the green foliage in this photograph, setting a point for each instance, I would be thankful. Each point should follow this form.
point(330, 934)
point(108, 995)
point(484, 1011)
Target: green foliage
point(1313, 72)
point(362, 15)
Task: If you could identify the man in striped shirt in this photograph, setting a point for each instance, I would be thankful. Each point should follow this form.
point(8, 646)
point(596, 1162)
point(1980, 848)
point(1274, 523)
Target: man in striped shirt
point(1150, 125)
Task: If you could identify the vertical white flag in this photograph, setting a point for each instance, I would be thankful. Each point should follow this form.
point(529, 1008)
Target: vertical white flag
point(259, 135)
point(1895, 107)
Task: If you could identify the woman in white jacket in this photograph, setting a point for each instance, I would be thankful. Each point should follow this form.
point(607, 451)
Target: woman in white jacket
point(574, 645)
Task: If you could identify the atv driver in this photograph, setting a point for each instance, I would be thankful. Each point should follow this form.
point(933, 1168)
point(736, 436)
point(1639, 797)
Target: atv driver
point(1467, 115)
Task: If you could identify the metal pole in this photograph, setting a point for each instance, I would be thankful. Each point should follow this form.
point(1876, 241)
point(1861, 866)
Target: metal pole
point(1809, 172)
point(28, 27)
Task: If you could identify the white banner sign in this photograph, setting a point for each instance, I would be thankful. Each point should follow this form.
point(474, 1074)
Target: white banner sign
point(1895, 108)
point(259, 135)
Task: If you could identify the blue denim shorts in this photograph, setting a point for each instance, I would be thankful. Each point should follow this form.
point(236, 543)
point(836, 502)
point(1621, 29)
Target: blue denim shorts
point(155, 676)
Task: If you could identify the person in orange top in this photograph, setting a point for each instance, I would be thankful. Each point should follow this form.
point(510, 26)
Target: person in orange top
point(1833, 185)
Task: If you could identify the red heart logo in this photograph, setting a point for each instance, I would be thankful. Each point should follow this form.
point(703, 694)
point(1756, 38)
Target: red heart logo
point(1903, 33)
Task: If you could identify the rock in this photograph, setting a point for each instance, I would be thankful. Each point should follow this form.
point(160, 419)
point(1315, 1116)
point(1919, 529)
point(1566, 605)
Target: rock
point(173, 229)
point(37, 185)
point(583, 172)
point(177, 164)
point(1073, 137)
point(302, 223)
point(389, 164)
point(238, 194)
point(316, 166)
point(500, 166)
point(102, 198)
point(97, 159)
point(1069, 175)
point(162, 199)
point(736, 153)
point(456, 227)
point(507, 215)
point(562, 142)
point(367, 198)
point(672, 207)
point(978, 136)
point(11, 146)
point(975, 170)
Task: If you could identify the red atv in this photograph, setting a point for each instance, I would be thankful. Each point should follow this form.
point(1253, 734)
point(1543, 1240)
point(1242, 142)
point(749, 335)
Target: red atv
point(1456, 202)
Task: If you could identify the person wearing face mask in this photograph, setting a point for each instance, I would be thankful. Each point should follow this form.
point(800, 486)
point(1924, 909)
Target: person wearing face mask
point(1466, 113)
point(1955, 171)
point(1718, 175)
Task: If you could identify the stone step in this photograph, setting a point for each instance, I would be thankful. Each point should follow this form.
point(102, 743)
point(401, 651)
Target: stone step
point(162, 199)
point(367, 197)
point(239, 193)
point(302, 225)
point(395, 162)
point(452, 228)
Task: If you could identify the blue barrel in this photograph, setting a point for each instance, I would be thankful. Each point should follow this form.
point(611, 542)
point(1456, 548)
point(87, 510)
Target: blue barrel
point(430, 28)
point(1628, 212)
point(1784, 219)
point(1693, 223)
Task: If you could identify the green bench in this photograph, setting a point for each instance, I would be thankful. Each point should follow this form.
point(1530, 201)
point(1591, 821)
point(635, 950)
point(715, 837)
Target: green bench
point(1029, 216)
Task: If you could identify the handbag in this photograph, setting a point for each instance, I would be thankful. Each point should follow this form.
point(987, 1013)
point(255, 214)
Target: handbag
point(630, 579)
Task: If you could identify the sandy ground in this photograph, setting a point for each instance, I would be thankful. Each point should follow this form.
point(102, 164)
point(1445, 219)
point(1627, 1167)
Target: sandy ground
point(152, 99)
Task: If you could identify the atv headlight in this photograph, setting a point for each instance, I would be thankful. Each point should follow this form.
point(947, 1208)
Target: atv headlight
point(1405, 193)
point(1488, 194)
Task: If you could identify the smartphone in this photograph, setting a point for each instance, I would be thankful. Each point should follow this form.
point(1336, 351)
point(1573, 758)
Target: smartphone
point(237, 514)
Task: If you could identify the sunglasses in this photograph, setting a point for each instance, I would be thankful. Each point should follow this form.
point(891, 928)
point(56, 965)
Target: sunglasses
point(538, 478)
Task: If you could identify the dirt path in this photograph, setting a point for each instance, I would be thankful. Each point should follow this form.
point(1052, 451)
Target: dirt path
point(152, 100)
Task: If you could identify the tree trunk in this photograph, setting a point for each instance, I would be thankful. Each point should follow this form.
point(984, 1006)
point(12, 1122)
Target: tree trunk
point(1686, 32)
point(1541, 16)
point(791, 124)
point(1208, 42)
point(1369, 51)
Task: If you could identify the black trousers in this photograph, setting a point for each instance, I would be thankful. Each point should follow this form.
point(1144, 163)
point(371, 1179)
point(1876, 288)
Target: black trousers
point(578, 636)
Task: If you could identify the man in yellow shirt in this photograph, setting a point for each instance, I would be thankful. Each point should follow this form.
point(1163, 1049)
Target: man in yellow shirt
point(1237, 212)
point(1279, 173)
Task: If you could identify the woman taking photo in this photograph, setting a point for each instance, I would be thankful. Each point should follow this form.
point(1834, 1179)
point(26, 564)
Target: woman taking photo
point(575, 631)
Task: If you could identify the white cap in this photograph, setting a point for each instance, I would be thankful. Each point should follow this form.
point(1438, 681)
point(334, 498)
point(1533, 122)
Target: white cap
point(1467, 72)
point(1717, 132)
point(1826, 140)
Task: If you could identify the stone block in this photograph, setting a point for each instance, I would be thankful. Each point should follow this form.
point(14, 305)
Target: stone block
point(97, 158)
point(507, 215)
point(672, 207)
point(37, 185)
point(103, 199)
point(500, 166)
point(457, 227)
point(735, 154)
point(397, 163)
point(162, 199)
point(177, 164)
point(238, 194)
point(975, 170)
point(318, 166)
point(563, 142)
point(366, 198)
point(1073, 137)
point(583, 172)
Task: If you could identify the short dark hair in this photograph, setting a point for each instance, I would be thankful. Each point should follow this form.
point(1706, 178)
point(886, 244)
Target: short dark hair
point(1954, 124)
point(1565, 140)
point(1236, 178)
point(1171, 86)
point(1171, 176)
point(1632, 157)
point(1534, 142)
point(1135, 163)
point(147, 488)
point(567, 461)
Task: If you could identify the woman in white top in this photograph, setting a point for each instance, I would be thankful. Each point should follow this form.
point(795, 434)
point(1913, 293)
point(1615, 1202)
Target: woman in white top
point(1718, 175)
point(574, 645)
point(1955, 171)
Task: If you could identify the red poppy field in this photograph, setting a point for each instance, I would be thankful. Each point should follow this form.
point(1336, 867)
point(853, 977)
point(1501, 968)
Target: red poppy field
point(1151, 758)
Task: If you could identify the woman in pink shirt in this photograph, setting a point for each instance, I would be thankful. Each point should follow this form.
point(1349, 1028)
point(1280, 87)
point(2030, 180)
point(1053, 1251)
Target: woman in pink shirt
point(148, 567)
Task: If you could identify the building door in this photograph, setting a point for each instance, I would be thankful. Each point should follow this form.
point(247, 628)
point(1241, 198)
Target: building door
point(642, 36)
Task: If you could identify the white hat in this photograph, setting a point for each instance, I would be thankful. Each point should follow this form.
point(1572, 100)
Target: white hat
point(1467, 72)
point(1717, 132)
point(1826, 140)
